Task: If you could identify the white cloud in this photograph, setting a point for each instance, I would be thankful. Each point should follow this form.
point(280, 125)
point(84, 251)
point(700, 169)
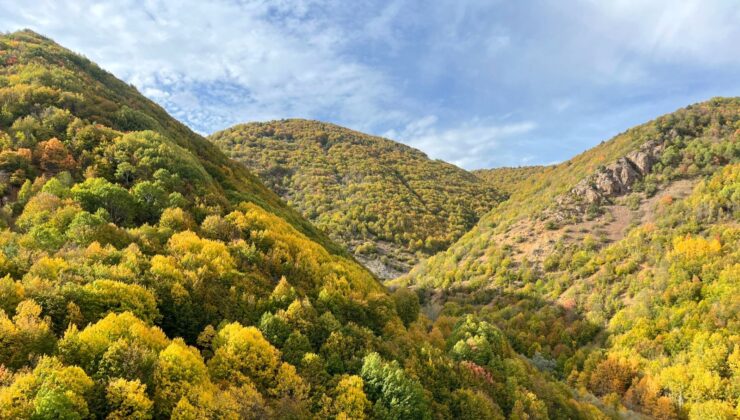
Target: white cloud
point(277, 57)
point(474, 144)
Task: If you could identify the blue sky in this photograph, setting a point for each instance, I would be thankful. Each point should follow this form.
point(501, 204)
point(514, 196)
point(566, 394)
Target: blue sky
point(480, 83)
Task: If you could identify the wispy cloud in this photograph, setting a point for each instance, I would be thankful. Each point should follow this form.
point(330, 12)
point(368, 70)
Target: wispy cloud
point(266, 59)
point(473, 144)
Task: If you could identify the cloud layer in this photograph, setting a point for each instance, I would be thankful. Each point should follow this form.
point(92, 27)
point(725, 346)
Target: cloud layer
point(479, 83)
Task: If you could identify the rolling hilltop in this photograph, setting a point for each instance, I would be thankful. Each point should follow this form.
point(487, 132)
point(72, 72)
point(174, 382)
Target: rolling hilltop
point(388, 203)
point(143, 274)
point(617, 270)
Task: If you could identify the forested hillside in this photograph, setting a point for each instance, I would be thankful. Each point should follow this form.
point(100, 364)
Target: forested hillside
point(507, 180)
point(145, 275)
point(618, 270)
point(387, 202)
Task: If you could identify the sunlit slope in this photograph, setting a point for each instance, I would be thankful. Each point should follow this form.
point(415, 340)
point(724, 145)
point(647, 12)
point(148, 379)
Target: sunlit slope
point(685, 145)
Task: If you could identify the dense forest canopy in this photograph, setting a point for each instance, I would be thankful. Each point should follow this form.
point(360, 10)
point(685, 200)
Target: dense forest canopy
point(145, 275)
point(387, 202)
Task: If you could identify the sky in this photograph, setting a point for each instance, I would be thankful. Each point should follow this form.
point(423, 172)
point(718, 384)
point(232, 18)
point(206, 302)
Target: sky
point(479, 83)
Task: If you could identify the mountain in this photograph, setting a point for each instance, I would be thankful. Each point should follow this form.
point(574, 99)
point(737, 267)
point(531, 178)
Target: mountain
point(507, 180)
point(618, 269)
point(388, 203)
point(143, 274)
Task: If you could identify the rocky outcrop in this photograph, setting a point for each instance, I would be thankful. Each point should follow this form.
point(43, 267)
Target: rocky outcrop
point(608, 182)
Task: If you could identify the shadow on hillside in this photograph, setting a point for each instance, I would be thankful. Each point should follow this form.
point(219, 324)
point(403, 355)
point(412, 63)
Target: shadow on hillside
point(545, 331)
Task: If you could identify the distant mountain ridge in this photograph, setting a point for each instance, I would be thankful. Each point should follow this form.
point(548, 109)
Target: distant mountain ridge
point(387, 202)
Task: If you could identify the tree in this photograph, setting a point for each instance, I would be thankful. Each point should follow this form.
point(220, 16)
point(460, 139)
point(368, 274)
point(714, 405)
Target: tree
point(39, 210)
point(11, 294)
point(216, 227)
point(407, 305)
point(295, 347)
point(289, 385)
point(86, 228)
point(25, 337)
point(194, 283)
point(51, 390)
point(180, 373)
point(176, 219)
point(54, 157)
point(479, 342)
point(102, 296)
point(26, 192)
point(128, 400)
point(119, 345)
point(469, 404)
point(612, 376)
point(56, 187)
point(282, 295)
point(396, 395)
point(350, 401)
point(242, 356)
point(712, 410)
point(97, 193)
point(151, 199)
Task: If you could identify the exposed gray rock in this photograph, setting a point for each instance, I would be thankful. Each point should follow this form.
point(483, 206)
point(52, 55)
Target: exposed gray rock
point(610, 181)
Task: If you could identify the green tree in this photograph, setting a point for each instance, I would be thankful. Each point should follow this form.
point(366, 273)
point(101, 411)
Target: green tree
point(396, 395)
point(407, 305)
point(97, 193)
point(51, 390)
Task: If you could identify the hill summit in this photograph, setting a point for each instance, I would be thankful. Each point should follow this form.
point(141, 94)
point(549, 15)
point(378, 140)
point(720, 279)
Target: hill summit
point(388, 203)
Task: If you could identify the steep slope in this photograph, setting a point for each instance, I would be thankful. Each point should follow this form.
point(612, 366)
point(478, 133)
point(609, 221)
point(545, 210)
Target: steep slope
point(145, 275)
point(387, 202)
point(507, 180)
point(617, 270)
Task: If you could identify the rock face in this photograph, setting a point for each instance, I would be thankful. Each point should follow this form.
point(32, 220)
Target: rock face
point(610, 181)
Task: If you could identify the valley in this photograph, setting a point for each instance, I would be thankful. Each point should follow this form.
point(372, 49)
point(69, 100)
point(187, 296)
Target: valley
point(299, 269)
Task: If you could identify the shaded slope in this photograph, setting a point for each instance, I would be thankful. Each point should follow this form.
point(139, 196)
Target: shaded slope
point(387, 202)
